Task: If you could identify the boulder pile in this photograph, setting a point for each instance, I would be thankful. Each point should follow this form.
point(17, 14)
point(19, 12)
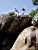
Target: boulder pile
point(10, 28)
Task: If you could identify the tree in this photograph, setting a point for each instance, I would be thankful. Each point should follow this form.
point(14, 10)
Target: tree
point(11, 13)
point(32, 13)
point(35, 2)
point(36, 10)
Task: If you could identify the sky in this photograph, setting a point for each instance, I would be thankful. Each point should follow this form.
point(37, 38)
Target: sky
point(9, 5)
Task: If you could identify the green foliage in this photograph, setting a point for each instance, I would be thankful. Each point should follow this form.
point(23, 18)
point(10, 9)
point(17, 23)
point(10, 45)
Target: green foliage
point(11, 13)
point(36, 10)
point(32, 13)
point(35, 2)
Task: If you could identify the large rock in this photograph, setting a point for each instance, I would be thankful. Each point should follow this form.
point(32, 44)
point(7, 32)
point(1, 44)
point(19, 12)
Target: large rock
point(27, 40)
point(16, 24)
point(10, 29)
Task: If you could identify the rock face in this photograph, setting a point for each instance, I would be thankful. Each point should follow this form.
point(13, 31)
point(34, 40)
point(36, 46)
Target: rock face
point(16, 24)
point(27, 40)
point(10, 29)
